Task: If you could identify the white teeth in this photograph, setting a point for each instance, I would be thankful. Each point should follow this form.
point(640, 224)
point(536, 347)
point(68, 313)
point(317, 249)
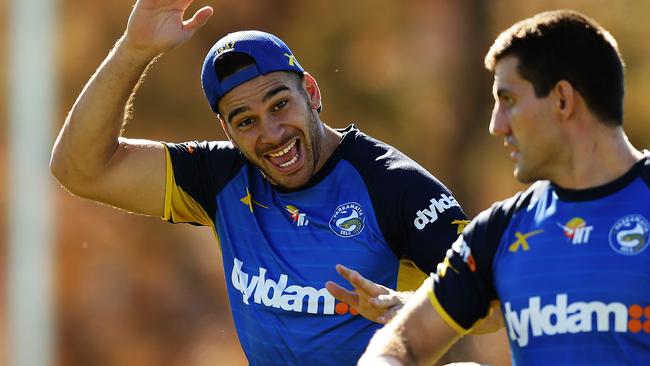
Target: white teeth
point(290, 162)
point(284, 151)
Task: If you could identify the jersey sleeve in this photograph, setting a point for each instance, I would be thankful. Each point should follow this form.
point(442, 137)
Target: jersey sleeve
point(418, 216)
point(196, 173)
point(463, 284)
point(430, 219)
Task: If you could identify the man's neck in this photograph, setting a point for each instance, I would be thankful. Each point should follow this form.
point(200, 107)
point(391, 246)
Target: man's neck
point(597, 156)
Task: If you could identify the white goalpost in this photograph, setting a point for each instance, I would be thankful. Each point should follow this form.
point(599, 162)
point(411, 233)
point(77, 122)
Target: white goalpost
point(31, 113)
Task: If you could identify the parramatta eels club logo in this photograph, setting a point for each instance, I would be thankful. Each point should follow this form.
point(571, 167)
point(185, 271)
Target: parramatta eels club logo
point(348, 220)
point(630, 235)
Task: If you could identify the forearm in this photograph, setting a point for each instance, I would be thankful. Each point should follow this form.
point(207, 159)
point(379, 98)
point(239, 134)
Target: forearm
point(90, 135)
point(387, 347)
point(417, 335)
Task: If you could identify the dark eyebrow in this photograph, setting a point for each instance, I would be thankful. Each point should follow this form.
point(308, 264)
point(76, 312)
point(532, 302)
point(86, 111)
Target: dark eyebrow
point(235, 112)
point(270, 94)
point(274, 91)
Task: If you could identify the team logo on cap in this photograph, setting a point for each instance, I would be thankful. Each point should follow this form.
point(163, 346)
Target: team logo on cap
point(630, 235)
point(292, 59)
point(348, 220)
point(227, 47)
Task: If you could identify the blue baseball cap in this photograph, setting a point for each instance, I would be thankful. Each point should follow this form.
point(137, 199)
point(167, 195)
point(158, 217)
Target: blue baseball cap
point(268, 51)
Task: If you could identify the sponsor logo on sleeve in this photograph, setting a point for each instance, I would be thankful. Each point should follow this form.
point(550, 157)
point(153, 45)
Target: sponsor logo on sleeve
point(458, 248)
point(461, 225)
point(630, 235)
point(436, 207)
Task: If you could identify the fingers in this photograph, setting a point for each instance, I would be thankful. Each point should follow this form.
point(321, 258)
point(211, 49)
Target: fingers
point(385, 301)
point(342, 294)
point(387, 315)
point(359, 282)
point(199, 19)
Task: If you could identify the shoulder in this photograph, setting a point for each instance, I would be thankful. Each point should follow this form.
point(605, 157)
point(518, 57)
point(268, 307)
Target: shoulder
point(495, 219)
point(202, 147)
point(378, 161)
point(212, 163)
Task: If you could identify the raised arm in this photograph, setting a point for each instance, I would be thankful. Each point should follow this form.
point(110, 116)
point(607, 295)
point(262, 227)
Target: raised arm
point(90, 158)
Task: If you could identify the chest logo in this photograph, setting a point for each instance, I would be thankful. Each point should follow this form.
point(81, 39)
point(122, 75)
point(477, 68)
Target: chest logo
point(522, 240)
point(630, 235)
point(576, 230)
point(299, 219)
point(348, 220)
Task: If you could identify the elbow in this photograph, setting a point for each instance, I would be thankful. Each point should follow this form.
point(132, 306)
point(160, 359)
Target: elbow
point(58, 166)
point(63, 170)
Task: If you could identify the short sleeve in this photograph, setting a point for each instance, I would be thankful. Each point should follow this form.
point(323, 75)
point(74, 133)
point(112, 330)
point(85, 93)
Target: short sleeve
point(196, 173)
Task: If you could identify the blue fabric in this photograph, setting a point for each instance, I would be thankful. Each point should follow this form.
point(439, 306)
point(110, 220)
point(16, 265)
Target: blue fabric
point(571, 269)
point(364, 209)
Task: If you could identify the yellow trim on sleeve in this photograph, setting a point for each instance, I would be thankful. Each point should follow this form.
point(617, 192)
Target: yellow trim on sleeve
point(443, 314)
point(180, 206)
point(167, 209)
point(409, 276)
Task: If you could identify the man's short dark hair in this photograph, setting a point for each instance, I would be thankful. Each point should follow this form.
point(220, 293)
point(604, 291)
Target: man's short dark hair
point(566, 45)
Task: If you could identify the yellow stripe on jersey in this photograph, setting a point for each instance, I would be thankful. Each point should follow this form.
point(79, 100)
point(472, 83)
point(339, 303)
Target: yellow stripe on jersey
point(409, 276)
point(180, 206)
point(441, 311)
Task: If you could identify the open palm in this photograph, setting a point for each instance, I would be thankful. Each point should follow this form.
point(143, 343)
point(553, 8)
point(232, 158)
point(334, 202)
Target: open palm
point(157, 26)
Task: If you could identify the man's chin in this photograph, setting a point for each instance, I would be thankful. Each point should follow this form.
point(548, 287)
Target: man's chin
point(523, 176)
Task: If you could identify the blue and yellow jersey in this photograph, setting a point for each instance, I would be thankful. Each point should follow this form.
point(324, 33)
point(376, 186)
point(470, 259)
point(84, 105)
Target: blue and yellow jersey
point(571, 269)
point(369, 207)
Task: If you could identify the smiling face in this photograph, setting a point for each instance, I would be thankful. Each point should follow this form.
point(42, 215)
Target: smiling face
point(273, 120)
point(526, 123)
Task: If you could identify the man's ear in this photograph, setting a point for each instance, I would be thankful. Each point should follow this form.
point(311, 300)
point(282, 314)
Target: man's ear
point(313, 92)
point(224, 126)
point(565, 96)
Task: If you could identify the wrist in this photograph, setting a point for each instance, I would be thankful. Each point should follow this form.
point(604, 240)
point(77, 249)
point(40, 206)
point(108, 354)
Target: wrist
point(136, 56)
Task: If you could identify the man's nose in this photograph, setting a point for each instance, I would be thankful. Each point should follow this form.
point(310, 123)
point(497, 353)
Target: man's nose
point(499, 124)
point(272, 130)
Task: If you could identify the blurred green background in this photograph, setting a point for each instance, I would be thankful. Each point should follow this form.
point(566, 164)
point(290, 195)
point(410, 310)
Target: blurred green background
point(132, 290)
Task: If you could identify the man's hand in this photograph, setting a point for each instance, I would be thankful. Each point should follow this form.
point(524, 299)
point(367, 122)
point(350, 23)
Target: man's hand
point(156, 26)
point(374, 302)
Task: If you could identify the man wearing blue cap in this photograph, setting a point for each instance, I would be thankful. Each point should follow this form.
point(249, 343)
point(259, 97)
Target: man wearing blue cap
point(287, 196)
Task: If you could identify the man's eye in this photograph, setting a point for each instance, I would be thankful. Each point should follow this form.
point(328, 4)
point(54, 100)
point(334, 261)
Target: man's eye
point(244, 123)
point(280, 105)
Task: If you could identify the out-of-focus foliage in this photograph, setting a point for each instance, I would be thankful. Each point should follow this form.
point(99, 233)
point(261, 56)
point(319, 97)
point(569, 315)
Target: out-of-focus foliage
point(137, 291)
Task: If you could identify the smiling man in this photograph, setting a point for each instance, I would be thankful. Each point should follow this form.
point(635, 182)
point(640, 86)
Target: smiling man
point(287, 196)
